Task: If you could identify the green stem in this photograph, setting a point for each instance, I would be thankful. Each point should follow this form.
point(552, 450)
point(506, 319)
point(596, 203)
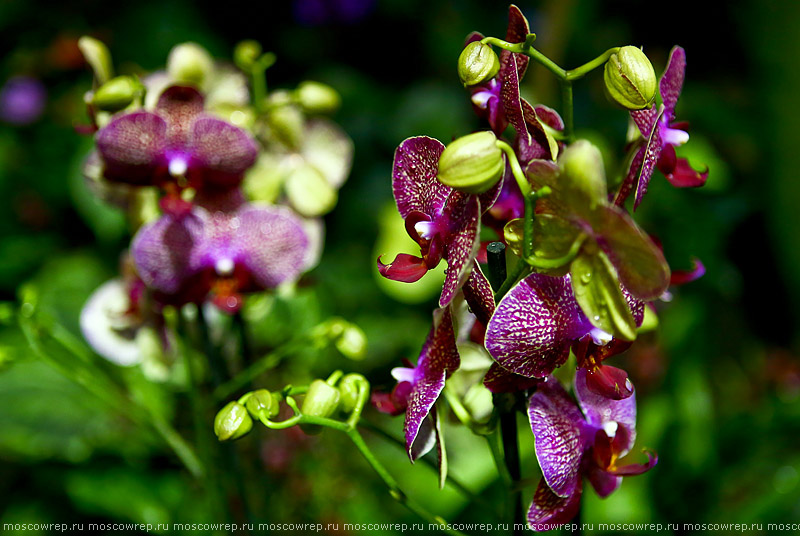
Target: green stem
point(521, 270)
point(508, 431)
point(516, 169)
point(565, 77)
point(394, 489)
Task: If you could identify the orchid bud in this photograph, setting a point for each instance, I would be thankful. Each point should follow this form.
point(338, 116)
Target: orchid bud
point(317, 98)
point(97, 56)
point(477, 63)
point(630, 78)
point(262, 404)
point(472, 163)
point(232, 422)
point(321, 400)
point(116, 94)
point(349, 388)
point(246, 54)
point(190, 63)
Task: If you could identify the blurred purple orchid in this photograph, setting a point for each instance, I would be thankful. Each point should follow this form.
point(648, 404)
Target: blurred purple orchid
point(175, 146)
point(661, 135)
point(185, 258)
point(22, 100)
point(570, 445)
point(536, 323)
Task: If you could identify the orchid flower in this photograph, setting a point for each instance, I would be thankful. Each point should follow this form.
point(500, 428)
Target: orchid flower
point(444, 222)
point(176, 145)
point(184, 258)
point(571, 445)
point(535, 325)
point(661, 136)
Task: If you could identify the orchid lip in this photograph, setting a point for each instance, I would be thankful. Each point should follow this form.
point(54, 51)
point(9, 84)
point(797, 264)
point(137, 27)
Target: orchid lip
point(224, 266)
point(600, 337)
point(674, 136)
point(178, 167)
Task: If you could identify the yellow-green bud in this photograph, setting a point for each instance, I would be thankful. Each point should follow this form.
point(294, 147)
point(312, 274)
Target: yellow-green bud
point(262, 404)
point(321, 400)
point(472, 163)
point(190, 63)
point(246, 54)
point(116, 94)
point(97, 56)
point(232, 422)
point(583, 175)
point(477, 63)
point(630, 78)
point(317, 98)
point(349, 387)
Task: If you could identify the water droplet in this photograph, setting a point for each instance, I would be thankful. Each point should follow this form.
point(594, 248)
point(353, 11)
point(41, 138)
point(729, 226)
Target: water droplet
point(596, 318)
point(586, 277)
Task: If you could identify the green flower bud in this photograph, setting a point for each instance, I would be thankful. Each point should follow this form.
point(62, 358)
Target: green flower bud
point(190, 63)
point(262, 404)
point(349, 387)
point(630, 79)
point(246, 54)
point(322, 400)
point(477, 63)
point(317, 98)
point(472, 163)
point(583, 175)
point(97, 56)
point(116, 94)
point(232, 422)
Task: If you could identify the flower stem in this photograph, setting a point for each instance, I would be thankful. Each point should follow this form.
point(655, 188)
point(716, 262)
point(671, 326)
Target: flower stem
point(509, 434)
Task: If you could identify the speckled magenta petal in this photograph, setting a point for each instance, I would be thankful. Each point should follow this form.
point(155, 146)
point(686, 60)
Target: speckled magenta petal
point(132, 147)
point(600, 410)
point(557, 427)
point(438, 358)
point(512, 104)
point(426, 436)
point(672, 80)
point(549, 116)
point(517, 31)
point(540, 147)
point(271, 243)
point(168, 251)
point(650, 159)
point(416, 163)
point(179, 105)
point(631, 177)
point(534, 324)
point(479, 295)
point(645, 119)
point(462, 215)
point(500, 380)
point(488, 198)
point(221, 150)
point(548, 509)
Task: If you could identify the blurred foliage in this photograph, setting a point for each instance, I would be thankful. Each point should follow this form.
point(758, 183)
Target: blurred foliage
point(718, 383)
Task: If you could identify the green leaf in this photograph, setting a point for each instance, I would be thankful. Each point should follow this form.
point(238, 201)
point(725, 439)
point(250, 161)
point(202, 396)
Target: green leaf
point(597, 290)
point(639, 262)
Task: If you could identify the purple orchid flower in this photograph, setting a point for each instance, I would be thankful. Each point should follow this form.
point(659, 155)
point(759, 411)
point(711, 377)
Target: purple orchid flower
point(662, 135)
point(444, 222)
point(185, 258)
point(176, 145)
point(498, 100)
point(421, 385)
point(535, 325)
point(570, 445)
